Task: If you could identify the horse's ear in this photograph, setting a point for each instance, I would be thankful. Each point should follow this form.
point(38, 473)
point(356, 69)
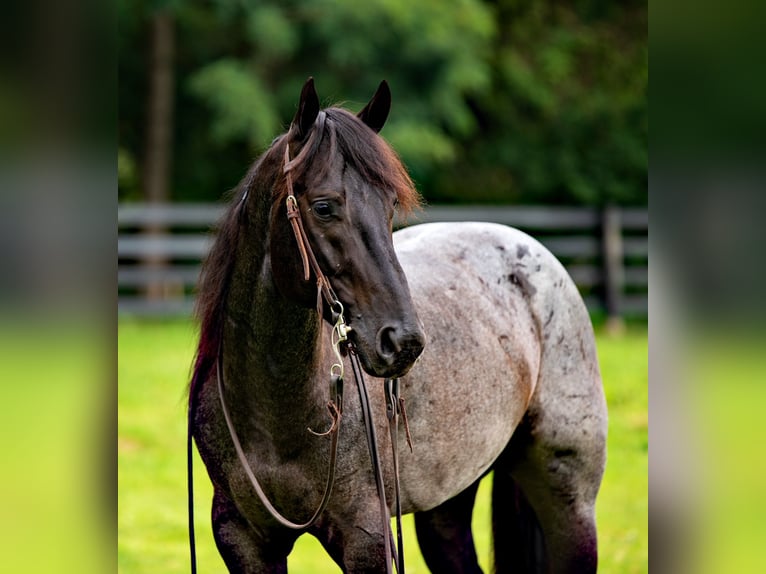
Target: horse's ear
point(308, 109)
point(375, 113)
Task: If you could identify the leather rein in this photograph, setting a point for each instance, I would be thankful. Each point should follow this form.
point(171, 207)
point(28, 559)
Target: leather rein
point(394, 402)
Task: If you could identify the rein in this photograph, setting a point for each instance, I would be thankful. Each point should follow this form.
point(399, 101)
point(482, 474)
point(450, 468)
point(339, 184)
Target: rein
point(394, 403)
point(336, 414)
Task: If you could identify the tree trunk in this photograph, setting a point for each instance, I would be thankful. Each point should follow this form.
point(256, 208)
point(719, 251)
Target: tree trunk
point(159, 129)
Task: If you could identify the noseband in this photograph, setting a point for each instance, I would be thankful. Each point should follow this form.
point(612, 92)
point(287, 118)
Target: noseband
point(394, 403)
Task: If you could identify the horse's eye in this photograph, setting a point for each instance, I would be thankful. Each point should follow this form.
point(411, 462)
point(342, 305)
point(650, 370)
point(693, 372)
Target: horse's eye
point(322, 209)
point(396, 203)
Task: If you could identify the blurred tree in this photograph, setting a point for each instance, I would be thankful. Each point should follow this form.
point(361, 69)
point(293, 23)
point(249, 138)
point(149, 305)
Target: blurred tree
point(500, 101)
point(159, 106)
point(434, 57)
point(240, 66)
point(566, 118)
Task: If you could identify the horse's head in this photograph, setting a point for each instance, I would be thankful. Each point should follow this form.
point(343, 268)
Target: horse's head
point(348, 182)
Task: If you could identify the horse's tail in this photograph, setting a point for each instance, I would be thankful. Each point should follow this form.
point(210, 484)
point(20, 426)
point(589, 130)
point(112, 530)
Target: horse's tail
point(518, 540)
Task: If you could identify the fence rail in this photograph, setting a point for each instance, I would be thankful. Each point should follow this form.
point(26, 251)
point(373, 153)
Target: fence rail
point(605, 251)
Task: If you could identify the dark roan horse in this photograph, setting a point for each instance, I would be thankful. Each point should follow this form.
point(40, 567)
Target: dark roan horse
point(488, 334)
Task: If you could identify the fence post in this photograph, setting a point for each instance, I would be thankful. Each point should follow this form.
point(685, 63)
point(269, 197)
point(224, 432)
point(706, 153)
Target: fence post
point(614, 269)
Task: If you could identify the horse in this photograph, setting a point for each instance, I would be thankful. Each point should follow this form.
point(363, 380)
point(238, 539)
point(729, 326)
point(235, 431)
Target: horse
point(486, 332)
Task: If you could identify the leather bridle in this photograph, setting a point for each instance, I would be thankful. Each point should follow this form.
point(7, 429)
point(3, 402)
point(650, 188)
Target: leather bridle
point(394, 402)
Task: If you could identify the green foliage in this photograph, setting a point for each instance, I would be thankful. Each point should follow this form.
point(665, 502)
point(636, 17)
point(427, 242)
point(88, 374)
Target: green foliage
point(566, 118)
point(506, 101)
point(243, 110)
point(127, 176)
point(153, 369)
point(271, 32)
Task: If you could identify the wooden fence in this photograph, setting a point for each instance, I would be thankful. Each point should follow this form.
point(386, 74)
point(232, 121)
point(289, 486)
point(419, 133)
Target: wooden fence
point(160, 248)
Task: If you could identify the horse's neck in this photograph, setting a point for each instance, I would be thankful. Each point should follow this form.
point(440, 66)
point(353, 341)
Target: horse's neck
point(273, 347)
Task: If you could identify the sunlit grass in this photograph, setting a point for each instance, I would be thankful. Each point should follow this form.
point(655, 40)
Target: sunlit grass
point(622, 506)
point(153, 369)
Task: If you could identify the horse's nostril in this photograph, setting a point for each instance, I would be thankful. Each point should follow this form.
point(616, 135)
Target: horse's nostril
point(388, 343)
point(397, 344)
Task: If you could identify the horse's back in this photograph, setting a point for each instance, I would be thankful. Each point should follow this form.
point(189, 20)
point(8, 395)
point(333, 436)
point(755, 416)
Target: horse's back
point(495, 274)
point(507, 332)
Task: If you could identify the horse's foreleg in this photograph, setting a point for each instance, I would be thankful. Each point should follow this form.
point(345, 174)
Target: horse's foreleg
point(351, 535)
point(242, 548)
point(445, 537)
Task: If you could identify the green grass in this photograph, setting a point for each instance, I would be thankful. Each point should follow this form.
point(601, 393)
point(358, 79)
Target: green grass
point(725, 471)
point(55, 416)
point(153, 368)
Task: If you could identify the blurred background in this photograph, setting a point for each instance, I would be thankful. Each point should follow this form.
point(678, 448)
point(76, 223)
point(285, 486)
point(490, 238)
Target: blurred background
point(495, 103)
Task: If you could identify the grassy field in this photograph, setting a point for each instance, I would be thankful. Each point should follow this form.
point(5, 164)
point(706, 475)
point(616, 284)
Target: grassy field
point(153, 368)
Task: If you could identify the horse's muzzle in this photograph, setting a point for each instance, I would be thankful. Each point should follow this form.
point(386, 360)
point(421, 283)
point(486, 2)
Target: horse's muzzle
point(397, 347)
